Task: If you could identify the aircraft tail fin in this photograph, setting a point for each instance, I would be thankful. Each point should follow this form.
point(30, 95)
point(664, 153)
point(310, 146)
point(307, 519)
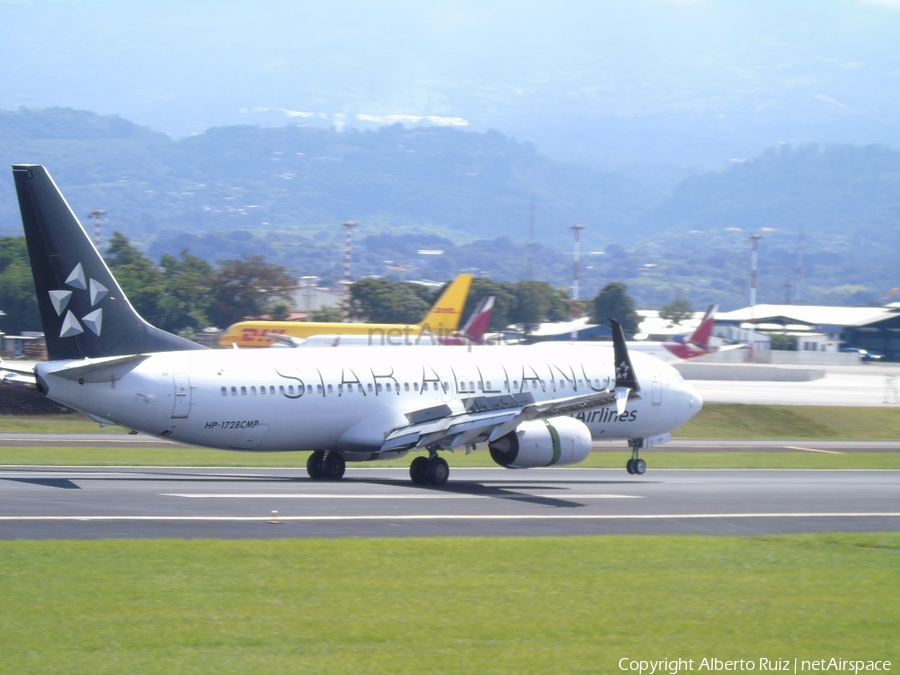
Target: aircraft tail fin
point(83, 310)
point(478, 323)
point(702, 333)
point(443, 318)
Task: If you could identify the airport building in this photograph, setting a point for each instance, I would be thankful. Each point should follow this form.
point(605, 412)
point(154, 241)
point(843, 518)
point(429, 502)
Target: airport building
point(821, 329)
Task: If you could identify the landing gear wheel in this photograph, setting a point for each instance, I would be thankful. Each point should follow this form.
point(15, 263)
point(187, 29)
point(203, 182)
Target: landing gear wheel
point(437, 470)
point(418, 470)
point(629, 465)
point(315, 465)
point(639, 466)
point(334, 466)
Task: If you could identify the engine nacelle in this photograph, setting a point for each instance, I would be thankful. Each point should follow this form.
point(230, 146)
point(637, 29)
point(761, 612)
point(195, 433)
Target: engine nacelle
point(558, 440)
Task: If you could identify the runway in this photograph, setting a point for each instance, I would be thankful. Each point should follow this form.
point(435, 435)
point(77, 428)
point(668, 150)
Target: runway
point(138, 502)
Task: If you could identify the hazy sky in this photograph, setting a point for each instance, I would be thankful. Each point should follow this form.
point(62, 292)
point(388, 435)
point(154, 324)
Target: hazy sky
point(713, 77)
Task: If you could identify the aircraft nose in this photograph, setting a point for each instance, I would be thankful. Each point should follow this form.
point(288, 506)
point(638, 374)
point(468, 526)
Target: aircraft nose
point(695, 400)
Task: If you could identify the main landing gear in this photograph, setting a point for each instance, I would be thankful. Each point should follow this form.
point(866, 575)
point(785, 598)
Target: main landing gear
point(326, 465)
point(636, 465)
point(433, 470)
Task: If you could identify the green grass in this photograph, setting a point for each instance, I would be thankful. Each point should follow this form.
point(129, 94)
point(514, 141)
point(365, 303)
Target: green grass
point(715, 421)
point(799, 424)
point(735, 421)
point(615, 458)
point(443, 605)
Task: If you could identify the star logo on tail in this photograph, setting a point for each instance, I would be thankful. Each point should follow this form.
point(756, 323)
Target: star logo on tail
point(93, 320)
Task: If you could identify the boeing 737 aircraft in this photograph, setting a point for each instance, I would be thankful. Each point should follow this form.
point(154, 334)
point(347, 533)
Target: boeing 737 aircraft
point(441, 321)
point(533, 406)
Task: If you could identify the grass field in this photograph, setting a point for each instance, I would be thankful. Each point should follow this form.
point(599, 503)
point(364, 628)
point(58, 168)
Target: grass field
point(715, 421)
point(455, 605)
point(444, 605)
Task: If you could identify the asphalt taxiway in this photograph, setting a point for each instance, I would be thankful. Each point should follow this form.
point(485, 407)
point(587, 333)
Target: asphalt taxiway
point(88, 503)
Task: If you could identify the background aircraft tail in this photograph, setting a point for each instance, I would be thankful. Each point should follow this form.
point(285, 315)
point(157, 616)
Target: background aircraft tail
point(478, 323)
point(83, 310)
point(700, 336)
point(697, 343)
point(443, 318)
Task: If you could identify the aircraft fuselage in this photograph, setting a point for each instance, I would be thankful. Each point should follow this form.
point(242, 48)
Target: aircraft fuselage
point(279, 400)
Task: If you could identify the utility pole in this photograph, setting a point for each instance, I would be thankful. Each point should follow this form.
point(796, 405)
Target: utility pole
point(754, 242)
point(348, 250)
point(576, 231)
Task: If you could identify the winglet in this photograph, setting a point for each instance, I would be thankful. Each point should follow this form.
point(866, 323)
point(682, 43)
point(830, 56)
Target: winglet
point(626, 382)
point(624, 370)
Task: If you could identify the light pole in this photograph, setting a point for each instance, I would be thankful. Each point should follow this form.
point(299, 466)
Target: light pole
point(348, 249)
point(576, 231)
point(754, 255)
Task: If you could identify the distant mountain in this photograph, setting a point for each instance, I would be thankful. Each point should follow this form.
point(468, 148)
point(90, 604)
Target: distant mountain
point(828, 214)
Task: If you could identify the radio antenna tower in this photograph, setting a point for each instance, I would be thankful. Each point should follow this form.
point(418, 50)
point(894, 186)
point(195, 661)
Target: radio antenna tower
point(97, 215)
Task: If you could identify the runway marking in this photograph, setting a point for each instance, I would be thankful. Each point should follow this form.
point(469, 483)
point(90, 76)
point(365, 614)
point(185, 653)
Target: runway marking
point(283, 518)
point(291, 495)
point(827, 452)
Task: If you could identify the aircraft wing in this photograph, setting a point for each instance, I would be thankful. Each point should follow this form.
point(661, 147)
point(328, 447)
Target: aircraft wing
point(485, 418)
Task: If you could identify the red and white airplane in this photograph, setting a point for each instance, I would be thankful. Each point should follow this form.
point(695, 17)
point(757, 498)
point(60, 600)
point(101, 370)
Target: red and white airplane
point(685, 347)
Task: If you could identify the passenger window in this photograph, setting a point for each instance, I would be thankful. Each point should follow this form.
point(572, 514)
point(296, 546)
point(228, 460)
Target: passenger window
point(224, 391)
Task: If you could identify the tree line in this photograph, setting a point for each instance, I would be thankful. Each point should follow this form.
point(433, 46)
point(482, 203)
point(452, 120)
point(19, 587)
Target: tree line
point(184, 294)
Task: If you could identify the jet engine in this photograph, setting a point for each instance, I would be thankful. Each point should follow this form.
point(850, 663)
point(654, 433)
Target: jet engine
point(558, 440)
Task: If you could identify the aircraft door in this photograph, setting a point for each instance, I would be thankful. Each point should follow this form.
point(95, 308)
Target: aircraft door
point(656, 387)
point(182, 405)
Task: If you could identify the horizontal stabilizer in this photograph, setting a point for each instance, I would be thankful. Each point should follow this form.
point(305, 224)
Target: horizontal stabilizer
point(98, 370)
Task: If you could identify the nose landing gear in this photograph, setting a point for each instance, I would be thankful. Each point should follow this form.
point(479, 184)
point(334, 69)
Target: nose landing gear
point(636, 465)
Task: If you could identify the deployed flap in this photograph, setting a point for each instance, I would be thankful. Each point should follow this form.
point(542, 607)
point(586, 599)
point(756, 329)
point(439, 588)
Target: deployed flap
point(489, 422)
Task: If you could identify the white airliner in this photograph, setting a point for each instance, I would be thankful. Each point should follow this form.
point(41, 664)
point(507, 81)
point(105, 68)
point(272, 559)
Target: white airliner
point(533, 406)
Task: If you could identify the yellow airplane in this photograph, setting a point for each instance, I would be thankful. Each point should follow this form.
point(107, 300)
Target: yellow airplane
point(441, 320)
